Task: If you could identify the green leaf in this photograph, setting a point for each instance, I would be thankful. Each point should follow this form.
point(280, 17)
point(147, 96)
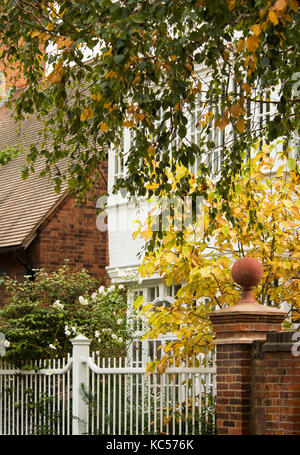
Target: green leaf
point(119, 58)
point(138, 19)
point(292, 164)
point(25, 172)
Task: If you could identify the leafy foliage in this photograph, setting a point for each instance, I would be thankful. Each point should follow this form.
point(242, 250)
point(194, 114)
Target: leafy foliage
point(8, 154)
point(43, 315)
point(200, 256)
point(145, 58)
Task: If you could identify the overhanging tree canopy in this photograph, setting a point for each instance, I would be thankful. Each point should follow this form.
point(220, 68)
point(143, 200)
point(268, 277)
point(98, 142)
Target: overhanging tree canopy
point(202, 264)
point(143, 74)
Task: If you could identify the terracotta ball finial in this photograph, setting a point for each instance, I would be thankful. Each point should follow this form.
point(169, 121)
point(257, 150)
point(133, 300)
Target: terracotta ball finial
point(247, 272)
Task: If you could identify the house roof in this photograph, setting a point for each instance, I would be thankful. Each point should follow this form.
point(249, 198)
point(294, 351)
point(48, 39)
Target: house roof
point(24, 204)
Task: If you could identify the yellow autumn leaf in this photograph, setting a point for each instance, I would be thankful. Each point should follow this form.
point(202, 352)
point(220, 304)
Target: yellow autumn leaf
point(230, 4)
point(68, 42)
point(222, 123)
point(103, 126)
point(294, 5)
point(50, 26)
point(189, 67)
point(111, 75)
point(89, 112)
point(56, 75)
point(135, 234)
point(186, 251)
point(63, 42)
point(252, 43)
point(108, 53)
point(35, 33)
point(240, 124)
point(240, 45)
point(287, 203)
point(170, 257)
point(256, 29)
point(205, 272)
point(225, 55)
point(273, 18)
point(264, 26)
point(178, 315)
point(246, 87)
point(287, 224)
point(235, 110)
point(295, 211)
point(128, 123)
point(280, 5)
point(150, 150)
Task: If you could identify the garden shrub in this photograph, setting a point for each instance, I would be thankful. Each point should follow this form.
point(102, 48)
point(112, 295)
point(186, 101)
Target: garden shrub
point(43, 315)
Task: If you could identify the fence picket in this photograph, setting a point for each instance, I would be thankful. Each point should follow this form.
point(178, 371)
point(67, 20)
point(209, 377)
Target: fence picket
point(125, 398)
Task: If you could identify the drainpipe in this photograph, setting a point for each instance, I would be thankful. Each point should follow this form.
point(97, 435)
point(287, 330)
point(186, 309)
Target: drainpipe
point(27, 265)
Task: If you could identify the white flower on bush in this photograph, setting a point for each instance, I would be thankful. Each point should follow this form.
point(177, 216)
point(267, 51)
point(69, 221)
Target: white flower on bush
point(94, 296)
point(121, 286)
point(82, 300)
point(74, 329)
point(52, 346)
point(6, 344)
point(114, 337)
point(101, 290)
point(111, 288)
point(119, 321)
point(57, 304)
point(120, 339)
point(97, 333)
point(67, 331)
point(106, 330)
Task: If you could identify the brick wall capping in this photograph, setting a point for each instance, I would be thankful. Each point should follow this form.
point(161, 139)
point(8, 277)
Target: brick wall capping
point(239, 339)
point(247, 309)
point(276, 342)
point(244, 323)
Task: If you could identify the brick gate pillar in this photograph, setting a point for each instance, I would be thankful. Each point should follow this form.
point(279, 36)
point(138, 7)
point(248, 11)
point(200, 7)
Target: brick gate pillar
point(236, 328)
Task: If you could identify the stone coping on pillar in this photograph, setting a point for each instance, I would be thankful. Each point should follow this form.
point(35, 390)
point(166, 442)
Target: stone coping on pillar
point(244, 323)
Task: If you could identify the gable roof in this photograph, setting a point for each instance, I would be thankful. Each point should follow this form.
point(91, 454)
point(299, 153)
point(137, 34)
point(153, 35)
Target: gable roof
point(24, 204)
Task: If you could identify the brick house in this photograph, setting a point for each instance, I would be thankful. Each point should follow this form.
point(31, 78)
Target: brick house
point(39, 228)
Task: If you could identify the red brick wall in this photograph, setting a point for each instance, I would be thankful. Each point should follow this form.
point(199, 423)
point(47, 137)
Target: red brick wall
point(233, 389)
point(275, 387)
point(13, 76)
point(70, 233)
point(258, 387)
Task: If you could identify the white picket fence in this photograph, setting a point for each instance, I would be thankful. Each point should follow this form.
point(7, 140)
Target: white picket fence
point(85, 394)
